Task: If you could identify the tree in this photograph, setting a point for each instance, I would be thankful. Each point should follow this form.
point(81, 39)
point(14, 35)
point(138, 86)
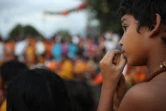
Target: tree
point(64, 33)
point(21, 32)
point(15, 32)
point(29, 30)
point(105, 11)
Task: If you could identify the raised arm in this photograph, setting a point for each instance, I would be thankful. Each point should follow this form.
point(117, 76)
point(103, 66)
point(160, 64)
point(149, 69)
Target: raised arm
point(119, 93)
point(111, 67)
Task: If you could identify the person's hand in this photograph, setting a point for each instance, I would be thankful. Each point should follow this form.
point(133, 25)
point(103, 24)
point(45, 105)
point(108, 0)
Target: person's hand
point(111, 67)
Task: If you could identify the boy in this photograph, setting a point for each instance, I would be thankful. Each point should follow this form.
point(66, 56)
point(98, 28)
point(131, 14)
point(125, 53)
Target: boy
point(143, 43)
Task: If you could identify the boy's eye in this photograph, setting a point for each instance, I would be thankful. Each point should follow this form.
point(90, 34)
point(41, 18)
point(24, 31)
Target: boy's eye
point(124, 27)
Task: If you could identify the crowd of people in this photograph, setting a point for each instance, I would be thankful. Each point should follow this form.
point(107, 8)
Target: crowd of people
point(75, 59)
point(37, 74)
point(70, 57)
point(40, 89)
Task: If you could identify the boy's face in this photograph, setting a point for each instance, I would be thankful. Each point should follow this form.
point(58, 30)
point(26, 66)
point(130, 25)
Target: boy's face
point(133, 43)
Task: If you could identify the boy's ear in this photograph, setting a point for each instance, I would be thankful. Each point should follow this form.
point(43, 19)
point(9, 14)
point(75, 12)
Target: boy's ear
point(156, 28)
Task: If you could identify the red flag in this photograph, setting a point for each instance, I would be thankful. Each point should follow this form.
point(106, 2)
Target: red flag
point(64, 12)
point(82, 6)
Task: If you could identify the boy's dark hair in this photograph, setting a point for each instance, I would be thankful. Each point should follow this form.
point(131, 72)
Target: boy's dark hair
point(10, 69)
point(144, 11)
point(37, 90)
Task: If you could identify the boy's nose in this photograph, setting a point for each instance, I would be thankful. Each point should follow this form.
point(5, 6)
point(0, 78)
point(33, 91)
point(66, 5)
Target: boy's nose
point(121, 41)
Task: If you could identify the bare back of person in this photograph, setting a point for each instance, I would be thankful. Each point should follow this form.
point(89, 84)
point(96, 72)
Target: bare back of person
point(146, 96)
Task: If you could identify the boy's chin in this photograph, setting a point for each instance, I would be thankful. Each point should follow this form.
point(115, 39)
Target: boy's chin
point(134, 63)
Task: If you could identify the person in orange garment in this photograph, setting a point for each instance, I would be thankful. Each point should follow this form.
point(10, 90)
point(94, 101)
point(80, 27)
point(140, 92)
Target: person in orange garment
point(66, 68)
point(9, 50)
point(30, 55)
point(143, 43)
point(80, 67)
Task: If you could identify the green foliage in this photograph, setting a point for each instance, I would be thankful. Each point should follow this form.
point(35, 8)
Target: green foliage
point(105, 11)
point(64, 33)
point(21, 32)
point(30, 30)
point(15, 32)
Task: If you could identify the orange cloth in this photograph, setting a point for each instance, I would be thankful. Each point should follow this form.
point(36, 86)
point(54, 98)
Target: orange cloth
point(52, 65)
point(48, 46)
point(3, 106)
point(30, 54)
point(66, 70)
point(140, 77)
point(98, 79)
point(80, 67)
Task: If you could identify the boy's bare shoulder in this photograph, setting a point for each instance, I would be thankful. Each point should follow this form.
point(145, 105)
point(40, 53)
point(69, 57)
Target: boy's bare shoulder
point(141, 97)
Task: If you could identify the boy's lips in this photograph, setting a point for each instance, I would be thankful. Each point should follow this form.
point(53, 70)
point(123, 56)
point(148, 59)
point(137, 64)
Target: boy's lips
point(124, 53)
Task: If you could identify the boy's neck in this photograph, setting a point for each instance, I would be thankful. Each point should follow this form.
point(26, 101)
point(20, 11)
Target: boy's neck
point(158, 57)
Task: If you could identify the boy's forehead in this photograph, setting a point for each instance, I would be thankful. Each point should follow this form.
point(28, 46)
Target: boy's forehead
point(126, 17)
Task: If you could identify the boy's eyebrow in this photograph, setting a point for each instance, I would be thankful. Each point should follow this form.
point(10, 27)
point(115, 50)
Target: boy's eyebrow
point(123, 19)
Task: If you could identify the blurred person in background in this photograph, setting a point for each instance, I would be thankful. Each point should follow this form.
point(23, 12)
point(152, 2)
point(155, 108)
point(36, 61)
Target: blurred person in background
point(72, 49)
point(66, 68)
point(81, 95)
point(57, 51)
point(30, 55)
point(80, 67)
point(9, 50)
point(20, 47)
point(8, 71)
point(49, 43)
point(64, 47)
point(38, 90)
point(40, 50)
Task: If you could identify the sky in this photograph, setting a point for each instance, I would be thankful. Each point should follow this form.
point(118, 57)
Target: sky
point(30, 12)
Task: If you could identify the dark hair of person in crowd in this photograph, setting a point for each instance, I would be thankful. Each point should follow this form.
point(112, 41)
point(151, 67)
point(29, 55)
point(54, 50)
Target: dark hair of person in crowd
point(81, 95)
point(37, 90)
point(9, 70)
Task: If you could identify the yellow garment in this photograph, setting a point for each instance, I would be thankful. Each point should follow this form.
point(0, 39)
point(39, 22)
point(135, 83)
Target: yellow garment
point(3, 106)
point(30, 54)
point(66, 70)
point(80, 67)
